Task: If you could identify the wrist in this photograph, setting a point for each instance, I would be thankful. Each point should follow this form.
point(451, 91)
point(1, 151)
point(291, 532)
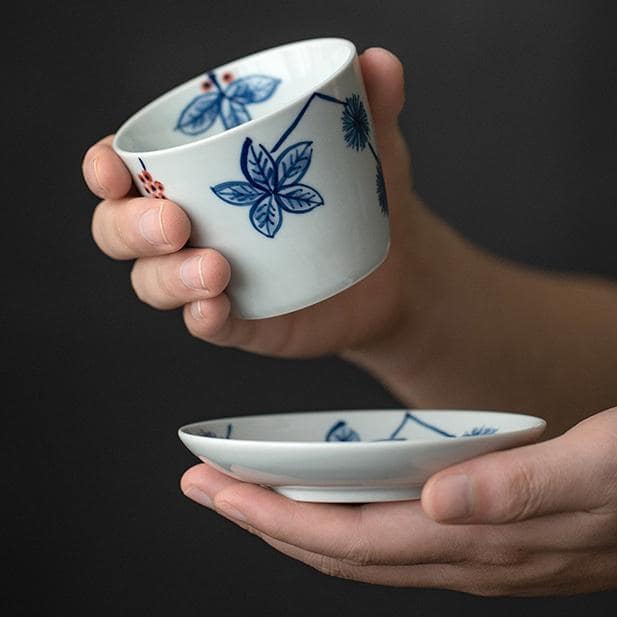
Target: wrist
point(438, 276)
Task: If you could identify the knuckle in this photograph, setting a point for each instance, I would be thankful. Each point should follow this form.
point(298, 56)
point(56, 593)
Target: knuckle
point(504, 556)
point(494, 546)
point(164, 286)
point(523, 494)
point(246, 337)
point(331, 567)
point(359, 552)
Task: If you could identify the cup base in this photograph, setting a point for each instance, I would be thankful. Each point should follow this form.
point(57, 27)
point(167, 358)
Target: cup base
point(342, 286)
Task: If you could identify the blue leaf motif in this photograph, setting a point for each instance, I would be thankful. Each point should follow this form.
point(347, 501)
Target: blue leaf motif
point(199, 115)
point(253, 89)
point(266, 216)
point(233, 113)
point(258, 167)
point(299, 198)
point(293, 162)
point(341, 431)
point(237, 193)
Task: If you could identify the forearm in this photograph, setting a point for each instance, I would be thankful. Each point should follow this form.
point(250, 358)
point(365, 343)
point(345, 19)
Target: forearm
point(479, 332)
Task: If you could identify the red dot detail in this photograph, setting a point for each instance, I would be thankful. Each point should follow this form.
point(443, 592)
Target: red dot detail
point(147, 176)
point(227, 77)
point(206, 85)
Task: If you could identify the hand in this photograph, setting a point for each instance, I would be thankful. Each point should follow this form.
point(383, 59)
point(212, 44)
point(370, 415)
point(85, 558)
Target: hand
point(536, 520)
point(166, 275)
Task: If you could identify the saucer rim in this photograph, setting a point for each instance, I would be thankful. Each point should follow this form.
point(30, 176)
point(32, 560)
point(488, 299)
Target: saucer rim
point(537, 425)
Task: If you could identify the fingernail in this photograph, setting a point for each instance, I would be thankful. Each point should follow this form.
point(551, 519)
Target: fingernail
point(231, 511)
point(198, 496)
point(192, 274)
point(196, 311)
point(453, 497)
point(97, 175)
point(151, 226)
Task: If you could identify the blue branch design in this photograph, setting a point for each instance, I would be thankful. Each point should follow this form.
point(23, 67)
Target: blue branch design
point(408, 416)
point(370, 145)
point(301, 113)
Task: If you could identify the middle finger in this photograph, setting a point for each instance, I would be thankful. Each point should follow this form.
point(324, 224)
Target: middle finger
point(169, 281)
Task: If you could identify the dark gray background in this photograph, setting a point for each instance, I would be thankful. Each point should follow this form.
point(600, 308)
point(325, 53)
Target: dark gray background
point(511, 118)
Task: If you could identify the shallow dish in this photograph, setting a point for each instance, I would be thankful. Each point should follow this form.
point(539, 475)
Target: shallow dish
point(353, 456)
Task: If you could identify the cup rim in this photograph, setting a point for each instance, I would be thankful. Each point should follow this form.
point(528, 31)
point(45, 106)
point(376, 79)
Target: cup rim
point(149, 107)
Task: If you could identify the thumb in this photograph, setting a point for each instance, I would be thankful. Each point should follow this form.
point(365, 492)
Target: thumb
point(383, 77)
point(577, 471)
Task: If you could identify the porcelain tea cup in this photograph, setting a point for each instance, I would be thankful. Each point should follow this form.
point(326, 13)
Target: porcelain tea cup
point(273, 157)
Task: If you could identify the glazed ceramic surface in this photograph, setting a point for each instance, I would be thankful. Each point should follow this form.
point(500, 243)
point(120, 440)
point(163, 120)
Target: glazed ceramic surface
point(353, 456)
point(273, 157)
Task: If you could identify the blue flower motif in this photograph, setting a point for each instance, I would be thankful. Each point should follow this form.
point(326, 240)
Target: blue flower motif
point(382, 197)
point(356, 128)
point(341, 431)
point(273, 185)
point(228, 103)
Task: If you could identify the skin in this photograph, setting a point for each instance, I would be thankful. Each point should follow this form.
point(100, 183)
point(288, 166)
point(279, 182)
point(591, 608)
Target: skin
point(541, 519)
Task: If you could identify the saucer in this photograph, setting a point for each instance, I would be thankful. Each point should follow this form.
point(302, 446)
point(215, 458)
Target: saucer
point(353, 456)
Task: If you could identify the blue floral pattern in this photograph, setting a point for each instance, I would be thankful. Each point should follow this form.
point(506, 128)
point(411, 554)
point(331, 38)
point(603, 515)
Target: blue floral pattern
point(382, 196)
point(272, 186)
point(202, 433)
point(341, 431)
point(480, 430)
point(227, 103)
point(356, 128)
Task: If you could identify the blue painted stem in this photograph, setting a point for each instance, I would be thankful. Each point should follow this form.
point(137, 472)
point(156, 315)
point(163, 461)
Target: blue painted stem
point(304, 109)
point(142, 163)
point(215, 81)
point(370, 145)
point(409, 416)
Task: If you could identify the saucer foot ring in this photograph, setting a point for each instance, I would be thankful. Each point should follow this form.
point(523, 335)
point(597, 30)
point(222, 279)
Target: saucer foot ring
point(349, 494)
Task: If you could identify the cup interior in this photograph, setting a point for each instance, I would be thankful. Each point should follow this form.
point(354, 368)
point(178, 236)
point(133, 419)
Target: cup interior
point(241, 91)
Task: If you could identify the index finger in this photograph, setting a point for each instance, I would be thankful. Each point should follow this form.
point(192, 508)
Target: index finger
point(104, 172)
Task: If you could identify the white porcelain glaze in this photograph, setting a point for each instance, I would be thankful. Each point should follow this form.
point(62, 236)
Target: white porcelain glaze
point(335, 229)
point(384, 455)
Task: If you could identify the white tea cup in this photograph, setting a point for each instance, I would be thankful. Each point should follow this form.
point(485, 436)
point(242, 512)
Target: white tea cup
point(274, 159)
